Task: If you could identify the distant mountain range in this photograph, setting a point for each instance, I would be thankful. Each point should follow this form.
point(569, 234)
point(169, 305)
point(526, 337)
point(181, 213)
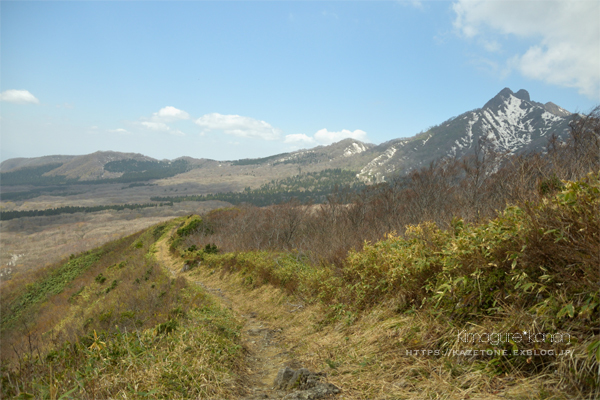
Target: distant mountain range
point(509, 122)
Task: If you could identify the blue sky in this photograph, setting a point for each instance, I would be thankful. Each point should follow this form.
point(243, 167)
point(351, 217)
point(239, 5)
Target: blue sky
point(230, 80)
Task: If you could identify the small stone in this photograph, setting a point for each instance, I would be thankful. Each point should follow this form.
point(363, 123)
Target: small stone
point(283, 378)
point(306, 385)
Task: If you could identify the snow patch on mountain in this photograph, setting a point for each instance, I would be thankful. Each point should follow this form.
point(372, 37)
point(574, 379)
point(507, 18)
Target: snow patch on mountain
point(509, 129)
point(549, 117)
point(509, 122)
point(370, 170)
point(353, 149)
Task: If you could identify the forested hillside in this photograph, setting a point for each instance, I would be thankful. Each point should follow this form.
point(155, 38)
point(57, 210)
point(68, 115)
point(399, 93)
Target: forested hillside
point(8, 215)
point(305, 187)
point(131, 171)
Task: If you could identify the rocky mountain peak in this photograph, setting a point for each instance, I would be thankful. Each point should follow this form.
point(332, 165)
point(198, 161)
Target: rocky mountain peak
point(504, 95)
point(504, 92)
point(500, 98)
point(556, 110)
point(523, 95)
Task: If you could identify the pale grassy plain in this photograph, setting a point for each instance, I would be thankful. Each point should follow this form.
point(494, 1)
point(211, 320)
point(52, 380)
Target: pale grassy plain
point(33, 242)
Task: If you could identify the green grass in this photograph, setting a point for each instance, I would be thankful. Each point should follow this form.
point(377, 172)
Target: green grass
point(113, 323)
point(54, 283)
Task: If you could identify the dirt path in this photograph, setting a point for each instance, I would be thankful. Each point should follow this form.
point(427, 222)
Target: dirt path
point(263, 333)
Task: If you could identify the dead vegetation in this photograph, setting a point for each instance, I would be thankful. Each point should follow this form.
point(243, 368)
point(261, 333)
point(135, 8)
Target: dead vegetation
point(463, 247)
point(473, 189)
point(113, 323)
point(403, 291)
point(40, 241)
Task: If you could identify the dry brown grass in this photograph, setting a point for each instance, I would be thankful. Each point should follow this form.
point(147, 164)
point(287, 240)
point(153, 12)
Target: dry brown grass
point(367, 357)
point(375, 344)
point(158, 337)
point(273, 307)
point(39, 241)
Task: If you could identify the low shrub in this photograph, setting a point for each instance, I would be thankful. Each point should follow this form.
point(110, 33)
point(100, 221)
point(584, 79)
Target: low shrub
point(534, 268)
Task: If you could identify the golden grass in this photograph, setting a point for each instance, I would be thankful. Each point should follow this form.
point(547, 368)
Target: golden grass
point(371, 355)
point(158, 337)
point(393, 302)
point(40, 241)
point(367, 357)
point(274, 310)
point(382, 348)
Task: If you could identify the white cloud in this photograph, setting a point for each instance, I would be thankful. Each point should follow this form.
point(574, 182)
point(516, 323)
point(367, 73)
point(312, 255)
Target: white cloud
point(239, 126)
point(159, 120)
point(325, 137)
point(161, 127)
point(156, 126)
point(169, 114)
point(118, 130)
point(418, 4)
point(18, 96)
point(566, 34)
point(491, 45)
point(299, 138)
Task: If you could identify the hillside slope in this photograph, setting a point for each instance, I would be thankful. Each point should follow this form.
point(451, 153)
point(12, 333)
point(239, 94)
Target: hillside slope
point(124, 320)
point(505, 308)
point(113, 323)
point(501, 309)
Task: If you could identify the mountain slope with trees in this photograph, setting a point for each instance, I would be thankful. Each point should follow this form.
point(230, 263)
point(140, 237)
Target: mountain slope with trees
point(476, 276)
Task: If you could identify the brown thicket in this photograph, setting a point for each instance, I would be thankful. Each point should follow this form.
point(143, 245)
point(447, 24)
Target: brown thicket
point(473, 188)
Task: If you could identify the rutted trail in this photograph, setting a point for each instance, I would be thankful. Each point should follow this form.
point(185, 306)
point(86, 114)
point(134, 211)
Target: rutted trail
point(266, 335)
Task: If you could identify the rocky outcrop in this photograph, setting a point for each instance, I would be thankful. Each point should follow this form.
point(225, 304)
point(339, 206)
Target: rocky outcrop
point(304, 384)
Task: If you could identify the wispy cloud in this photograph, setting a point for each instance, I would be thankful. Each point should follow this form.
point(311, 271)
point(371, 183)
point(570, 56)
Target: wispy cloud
point(239, 126)
point(156, 126)
point(169, 114)
point(324, 137)
point(118, 130)
point(159, 121)
point(299, 138)
point(491, 45)
point(566, 34)
point(18, 97)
